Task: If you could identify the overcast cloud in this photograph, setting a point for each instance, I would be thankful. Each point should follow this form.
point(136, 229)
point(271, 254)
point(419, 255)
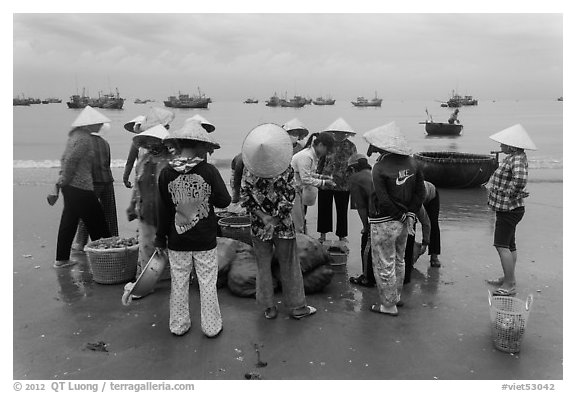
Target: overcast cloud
point(234, 56)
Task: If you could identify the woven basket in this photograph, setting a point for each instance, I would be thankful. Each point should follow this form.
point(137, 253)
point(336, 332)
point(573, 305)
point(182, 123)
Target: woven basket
point(508, 316)
point(236, 227)
point(112, 265)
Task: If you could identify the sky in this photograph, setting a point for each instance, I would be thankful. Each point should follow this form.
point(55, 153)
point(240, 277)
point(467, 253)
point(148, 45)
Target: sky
point(233, 56)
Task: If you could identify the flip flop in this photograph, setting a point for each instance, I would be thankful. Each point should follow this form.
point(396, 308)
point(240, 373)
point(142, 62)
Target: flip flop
point(64, 264)
point(496, 281)
point(310, 310)
point(377, 308)
point(362, 281)
point(504, 292)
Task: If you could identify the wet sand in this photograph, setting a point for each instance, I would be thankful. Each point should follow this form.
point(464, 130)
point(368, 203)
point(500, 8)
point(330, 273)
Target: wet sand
point(442, 333)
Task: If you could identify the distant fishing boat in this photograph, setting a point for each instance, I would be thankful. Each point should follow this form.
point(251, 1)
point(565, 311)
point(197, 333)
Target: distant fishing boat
point(79, 101)
point(139, 101)
point(273, 101)
point(323, 101)
point(187, 101)
point(361, 101)
point(108, 101)
point(295, 102)
point(250, 101)
point(457, 101)
point(52, 101)
point(560, 98)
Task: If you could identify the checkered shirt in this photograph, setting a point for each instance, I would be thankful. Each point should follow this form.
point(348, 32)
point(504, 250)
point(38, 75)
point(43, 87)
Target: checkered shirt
point(506, 187)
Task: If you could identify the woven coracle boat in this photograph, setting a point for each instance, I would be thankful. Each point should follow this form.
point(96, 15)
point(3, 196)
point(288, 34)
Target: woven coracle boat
point(456, 170)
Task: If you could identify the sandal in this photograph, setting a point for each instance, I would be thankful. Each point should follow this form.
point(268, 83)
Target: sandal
point(309, 311)
point(362, 281)
point(435, 263)
point(496, 281)
point(59, 264)
point(504, 292)
point(271, 312)
point(377, 308)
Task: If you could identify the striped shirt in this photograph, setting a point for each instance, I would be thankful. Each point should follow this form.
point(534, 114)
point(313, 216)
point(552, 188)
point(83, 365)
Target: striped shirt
point(506, 187)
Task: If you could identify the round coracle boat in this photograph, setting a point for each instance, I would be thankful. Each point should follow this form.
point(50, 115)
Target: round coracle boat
point(456, 170)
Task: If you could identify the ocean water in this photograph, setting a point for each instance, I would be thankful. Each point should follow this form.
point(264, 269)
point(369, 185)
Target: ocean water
point(40, 131)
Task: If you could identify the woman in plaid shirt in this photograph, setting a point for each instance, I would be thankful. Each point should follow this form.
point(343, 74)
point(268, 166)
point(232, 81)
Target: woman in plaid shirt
point(506, 193)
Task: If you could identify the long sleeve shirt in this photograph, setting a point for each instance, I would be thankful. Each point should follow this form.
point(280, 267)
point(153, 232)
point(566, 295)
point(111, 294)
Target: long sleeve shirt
point(398, 188)
point(186, 219)
point(304, 164)
point(274, 197)
point(101, 172)
point(336, 163)
point(76, 162)
point(506, 187)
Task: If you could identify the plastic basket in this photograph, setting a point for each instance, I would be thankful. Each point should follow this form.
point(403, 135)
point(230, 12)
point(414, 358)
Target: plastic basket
point(112, 265)
point(236, 227)
point(508, 316)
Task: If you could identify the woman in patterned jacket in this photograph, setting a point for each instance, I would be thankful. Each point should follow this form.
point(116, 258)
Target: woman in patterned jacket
point(190, 188)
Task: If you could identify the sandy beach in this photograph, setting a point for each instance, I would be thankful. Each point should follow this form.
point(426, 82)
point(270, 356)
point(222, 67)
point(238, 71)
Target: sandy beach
point(442, 333)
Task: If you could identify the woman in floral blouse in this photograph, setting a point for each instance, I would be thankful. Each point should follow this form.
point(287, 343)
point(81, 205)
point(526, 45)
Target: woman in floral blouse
point(506, 193)
point(267, 192)
point(335, 165)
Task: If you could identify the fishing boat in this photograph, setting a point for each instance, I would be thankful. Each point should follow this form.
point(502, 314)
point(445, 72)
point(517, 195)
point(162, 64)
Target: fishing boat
point(52, 100)
point(295, 102)
point(79, 101)
point(187, 101)
point(108, 101)
point(457, 101)
point(20, 102)
point(324, 101)
point(361, 101)
point(442, 129)
point(250, 101)
point(452, 128)
point(144, 101)
point(456, 170)
point(273, 101)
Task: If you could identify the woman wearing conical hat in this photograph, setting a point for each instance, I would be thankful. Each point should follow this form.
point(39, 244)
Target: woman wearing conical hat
point(396, 198)
point(190, 188)
point(77, 186)
point(139, 124)
point(506, 193)
point(268, 194)
point(334, 165)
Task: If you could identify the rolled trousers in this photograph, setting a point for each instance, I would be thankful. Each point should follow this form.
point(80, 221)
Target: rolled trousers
point(388, 246)
point(105, 194)
point(341, 199)
point(290, 272)
point(206, 265)
point(79, 204)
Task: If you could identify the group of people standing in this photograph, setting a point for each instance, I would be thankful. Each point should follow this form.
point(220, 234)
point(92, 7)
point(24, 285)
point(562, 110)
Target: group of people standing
point(275, 179)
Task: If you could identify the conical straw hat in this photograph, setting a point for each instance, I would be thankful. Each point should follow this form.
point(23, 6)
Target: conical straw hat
point(192, 130)
point(89, 116)
point(158, 132)
point(209, 127)
point(267, 150)
point(515, 136)
point(388, 137)
point(157, 116)
point(129, 126)
point(340, 125)
point(296, 125)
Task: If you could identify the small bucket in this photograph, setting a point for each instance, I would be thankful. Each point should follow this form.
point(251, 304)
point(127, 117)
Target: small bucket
point(339, 261)
point(508, 316)
point(236, 227)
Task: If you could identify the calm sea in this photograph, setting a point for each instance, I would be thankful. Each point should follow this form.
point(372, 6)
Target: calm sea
point(40, 131)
